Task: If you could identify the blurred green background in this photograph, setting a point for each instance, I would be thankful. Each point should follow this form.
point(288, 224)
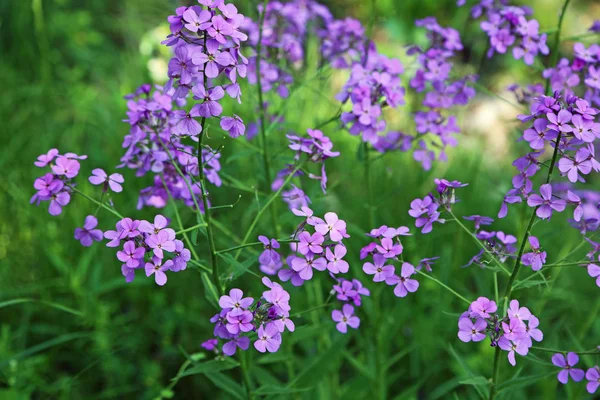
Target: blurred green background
point(65, 66)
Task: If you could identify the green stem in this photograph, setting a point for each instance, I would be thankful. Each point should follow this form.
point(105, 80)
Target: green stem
point(263, 209)
point(580, 36)
point(261, 114)
point(554, 53)
point(245, 374)
point(371, 209)
point(517, 265)
point(207, 212)
point(454, 292)
point(112, 210)
point(487, 251)
point(495, 372)
point(191, 228)
point(547, 350)
point(101, 201)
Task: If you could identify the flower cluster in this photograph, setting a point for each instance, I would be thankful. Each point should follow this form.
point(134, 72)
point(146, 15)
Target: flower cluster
point(513, 332)
point(427, 210)
point(582, 73)
point(322, 249)
point(567, 365)
point(498, 245)
point(154, 145)
point(147, 246)
point(373, 85)
point(507, 26)
point(441, 93)
point(56, 186)
point(343, 42)
point(385, 251)
point(570, 122)
point(206, 43)
point(350, 294)
point(317, 147)
point(268, 317)
point(284, 39)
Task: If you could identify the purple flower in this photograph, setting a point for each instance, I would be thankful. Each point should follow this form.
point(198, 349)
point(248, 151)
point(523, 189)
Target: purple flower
point(388, 248)
point(539, 135)
point(404, 284)
point(345, 318)
point(335, 263)
point(535, 259)
point(420, 206)
point(482, 308)
point(345, 290)
point(593, 374)
point(210, 344)
point(213, 58)
point(235, 302)
point(46, 159)
point(160, 223)
point(240, 322)
point(545, 204)
point(471, 331)
point(182, 256)
point(310, 243)
point(514, 330)
point(594, 272)
point(99, 177)
point(332, 225)
point(234, 125)
point(426, 263)
point(269, 338)
point(567, 367)
point(158, 269)
point(181, 65)
point(380, 271)
point(229, 348)
point(532, 331)
point(304, 266)
point(130, 254)
point(572, 167)
point(513, 347)
point(66, 166)
point(560, 121)
point(479, 220)
point(210, 106)
point(279, 298)
point(162, 241)
point(219, 29)
point(87, 235)
point(520, 313)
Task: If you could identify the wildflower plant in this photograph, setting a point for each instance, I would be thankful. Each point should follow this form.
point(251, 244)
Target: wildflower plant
point(263, 281)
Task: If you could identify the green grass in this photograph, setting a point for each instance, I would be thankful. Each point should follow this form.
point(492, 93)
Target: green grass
point(70, 327)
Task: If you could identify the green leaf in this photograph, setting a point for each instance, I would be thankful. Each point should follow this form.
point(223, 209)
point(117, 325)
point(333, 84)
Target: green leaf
point(360, 366)
point(320, 365)
point(227, 384)
point(475, 380)
point(274, 358)
point(46, 345)
point(238, 268)
point(270, 390)
point(46, 303)
point(482, 390)
point(210, 291)
point(209, 367)
point(360, 152)
point(523, 381)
